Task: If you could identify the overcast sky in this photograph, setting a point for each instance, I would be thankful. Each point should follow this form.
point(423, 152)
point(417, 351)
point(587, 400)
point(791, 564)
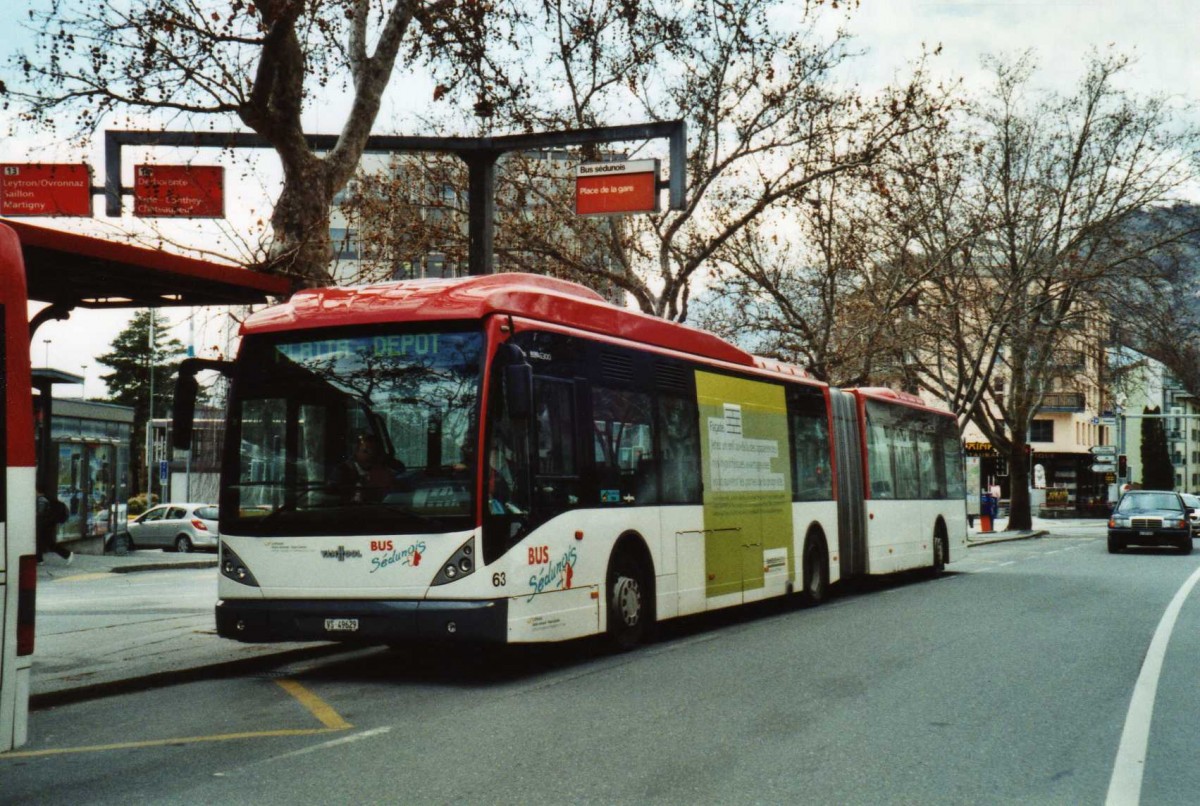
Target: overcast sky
point(1163, 34)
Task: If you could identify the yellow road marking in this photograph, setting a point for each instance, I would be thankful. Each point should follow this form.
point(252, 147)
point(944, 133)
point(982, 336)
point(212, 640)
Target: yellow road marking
point(225, 737)
point(315, 705)
point(328, 717)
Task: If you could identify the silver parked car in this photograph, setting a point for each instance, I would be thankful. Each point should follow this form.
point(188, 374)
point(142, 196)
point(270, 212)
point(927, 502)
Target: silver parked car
point(182, 527)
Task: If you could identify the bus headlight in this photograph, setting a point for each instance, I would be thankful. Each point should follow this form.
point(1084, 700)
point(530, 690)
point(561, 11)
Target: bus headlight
point(233, 568)
point(461, 564)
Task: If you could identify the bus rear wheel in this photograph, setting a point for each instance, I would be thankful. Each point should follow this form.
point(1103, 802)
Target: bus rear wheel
point(627, 610)
point(816, 574)
point(939, 552)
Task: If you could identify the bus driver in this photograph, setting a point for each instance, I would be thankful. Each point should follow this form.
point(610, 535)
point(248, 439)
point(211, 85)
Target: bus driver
point(366, 476)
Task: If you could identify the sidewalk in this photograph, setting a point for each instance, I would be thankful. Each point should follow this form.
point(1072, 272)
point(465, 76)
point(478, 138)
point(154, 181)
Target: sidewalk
point(1041, 527)
point(77, 658)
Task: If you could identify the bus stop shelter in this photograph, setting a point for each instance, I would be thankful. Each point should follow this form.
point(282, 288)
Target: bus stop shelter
point(69, 271)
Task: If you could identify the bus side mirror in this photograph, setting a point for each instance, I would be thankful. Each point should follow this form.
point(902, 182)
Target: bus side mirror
point(186, 390)
point(518, 390)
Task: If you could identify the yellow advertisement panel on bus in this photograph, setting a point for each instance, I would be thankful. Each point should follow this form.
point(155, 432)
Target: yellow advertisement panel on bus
point(747, 483)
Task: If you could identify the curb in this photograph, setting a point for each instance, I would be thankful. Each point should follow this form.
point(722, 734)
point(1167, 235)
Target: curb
point(67, 696)
point(1002, 537)
point(129, 569)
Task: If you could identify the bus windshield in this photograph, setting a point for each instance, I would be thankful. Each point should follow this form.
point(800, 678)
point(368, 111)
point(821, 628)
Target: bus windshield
point(363, 432)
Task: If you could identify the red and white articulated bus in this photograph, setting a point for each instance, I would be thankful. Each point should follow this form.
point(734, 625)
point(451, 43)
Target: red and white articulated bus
point(510, 458)
point(18, 560)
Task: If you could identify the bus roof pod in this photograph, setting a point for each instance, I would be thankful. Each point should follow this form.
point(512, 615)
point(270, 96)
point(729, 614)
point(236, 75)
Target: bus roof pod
point(530, 296)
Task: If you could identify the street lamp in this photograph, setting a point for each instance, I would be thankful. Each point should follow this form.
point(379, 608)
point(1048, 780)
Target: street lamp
point(47, 343)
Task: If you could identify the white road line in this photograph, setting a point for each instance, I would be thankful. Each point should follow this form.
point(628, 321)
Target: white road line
point(1125, 787)
point(354, 737)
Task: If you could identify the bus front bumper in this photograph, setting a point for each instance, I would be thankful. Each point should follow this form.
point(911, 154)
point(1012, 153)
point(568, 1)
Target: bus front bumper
point(367, 621)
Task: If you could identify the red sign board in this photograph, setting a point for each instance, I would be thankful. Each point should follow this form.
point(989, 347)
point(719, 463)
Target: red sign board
point(45, 189)
point(617, 188)
point(178, 191)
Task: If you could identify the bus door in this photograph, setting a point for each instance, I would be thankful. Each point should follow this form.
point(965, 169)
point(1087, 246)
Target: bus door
point(852, 528)
point(555, 458)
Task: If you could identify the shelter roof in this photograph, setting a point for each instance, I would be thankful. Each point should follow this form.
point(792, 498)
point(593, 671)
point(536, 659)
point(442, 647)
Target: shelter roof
point(82, 271)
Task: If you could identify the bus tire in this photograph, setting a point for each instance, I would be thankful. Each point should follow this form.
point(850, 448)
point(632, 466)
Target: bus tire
point(941, 549)
point(816, 572)
point(628, 609)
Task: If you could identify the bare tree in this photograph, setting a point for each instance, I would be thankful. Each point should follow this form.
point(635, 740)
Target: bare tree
point(1049, 185)
point(765, 119)
point(826, 289)
point(260, 63)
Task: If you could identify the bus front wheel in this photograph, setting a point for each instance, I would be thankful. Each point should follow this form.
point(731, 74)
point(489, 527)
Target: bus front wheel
point(627, 610)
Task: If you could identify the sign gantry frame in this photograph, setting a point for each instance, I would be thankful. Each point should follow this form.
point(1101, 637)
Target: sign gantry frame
point(479, 153)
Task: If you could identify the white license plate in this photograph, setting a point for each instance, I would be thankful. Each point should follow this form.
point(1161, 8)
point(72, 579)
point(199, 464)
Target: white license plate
point(1145, 534)
point(341, 625)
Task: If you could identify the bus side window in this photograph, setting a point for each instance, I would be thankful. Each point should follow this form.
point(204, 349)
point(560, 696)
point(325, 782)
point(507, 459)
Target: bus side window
point(680, 441)
point(879, 459)
point(810, 457)
point(931, 486)
point(623, 444)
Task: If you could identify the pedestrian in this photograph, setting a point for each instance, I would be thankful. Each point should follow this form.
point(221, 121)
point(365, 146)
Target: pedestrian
point(49, 515)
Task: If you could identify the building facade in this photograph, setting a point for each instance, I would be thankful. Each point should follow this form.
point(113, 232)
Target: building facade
point(1075, 416)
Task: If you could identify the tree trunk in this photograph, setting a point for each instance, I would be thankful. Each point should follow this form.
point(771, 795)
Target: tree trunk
point(1020, 517)
point(302, 248)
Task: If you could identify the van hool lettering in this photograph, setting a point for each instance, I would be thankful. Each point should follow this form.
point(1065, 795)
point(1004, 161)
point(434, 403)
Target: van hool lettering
point(340, 554)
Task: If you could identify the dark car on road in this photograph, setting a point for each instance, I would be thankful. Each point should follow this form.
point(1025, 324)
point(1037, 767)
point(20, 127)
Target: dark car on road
point(1150, 518)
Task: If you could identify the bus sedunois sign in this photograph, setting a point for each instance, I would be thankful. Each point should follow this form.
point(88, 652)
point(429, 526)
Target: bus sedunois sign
point(617, 188)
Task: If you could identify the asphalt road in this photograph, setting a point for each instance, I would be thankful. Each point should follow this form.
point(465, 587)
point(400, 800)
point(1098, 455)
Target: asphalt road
point(1008, 680)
